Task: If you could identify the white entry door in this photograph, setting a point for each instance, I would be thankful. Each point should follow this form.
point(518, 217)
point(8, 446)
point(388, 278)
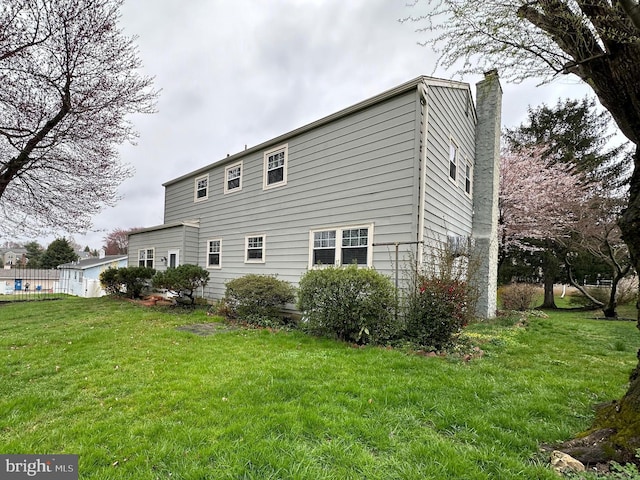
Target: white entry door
point(174, 258)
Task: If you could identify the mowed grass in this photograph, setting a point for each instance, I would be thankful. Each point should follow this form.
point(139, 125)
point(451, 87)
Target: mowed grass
point(136, 398)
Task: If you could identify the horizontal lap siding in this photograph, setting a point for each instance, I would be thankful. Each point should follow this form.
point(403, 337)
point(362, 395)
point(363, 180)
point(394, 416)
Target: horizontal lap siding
point(448, 209)
point(163, 241)
point(191, 240)
point(356, 170)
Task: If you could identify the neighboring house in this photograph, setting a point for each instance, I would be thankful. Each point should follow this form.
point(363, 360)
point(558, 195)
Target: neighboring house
point(14, 256)
point(414, 166)
point(28, 280)
point(82, 278)
point(82, 255)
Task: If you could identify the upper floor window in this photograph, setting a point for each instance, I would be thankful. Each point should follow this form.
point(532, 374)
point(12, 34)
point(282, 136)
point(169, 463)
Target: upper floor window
point(453, 161)
point(255, 249)
point(214, 254)
point(341, 246)
point(145, 257)
point(233, 178)
point(468, 176)
point(275, 167)
point(201, 188)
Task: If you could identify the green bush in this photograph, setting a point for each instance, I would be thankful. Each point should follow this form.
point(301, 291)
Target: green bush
point(348, 303)
point(129, 281)
point(258, 299)
point(110, 281)
point(437, 310)
point(183, 280)
point(518, 296)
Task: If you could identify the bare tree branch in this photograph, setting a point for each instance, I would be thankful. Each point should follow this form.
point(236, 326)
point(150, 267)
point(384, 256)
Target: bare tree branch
point(632, 9)
point(69, 80)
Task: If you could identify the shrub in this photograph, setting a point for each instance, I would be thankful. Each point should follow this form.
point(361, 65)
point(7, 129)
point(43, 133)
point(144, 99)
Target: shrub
point(110, 281)
point(183, 280)
point(130, 281)
point(348, 303)
point(437, 310)
point(518, 296)
point(258, 299)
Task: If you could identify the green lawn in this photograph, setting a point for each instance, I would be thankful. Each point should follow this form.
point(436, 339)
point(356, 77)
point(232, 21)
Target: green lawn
point(136, 398)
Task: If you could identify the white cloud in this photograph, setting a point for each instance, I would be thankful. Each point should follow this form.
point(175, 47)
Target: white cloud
point(241, 72)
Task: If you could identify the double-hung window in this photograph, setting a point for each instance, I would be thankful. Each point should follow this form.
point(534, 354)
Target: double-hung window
point(341, 246)
point(468, 176)
point(233, 178)
point(355, 246)
point(214, 253)
point(275, 167)
point(201, 188)
point(324, 247)
point(145, 257)
point(255, 249)
point(453, 161)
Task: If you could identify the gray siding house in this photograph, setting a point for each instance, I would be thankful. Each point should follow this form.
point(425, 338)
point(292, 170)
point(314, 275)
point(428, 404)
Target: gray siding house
point(414, 165)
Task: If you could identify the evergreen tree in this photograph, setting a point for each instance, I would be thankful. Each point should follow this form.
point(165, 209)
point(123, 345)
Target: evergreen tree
point(576, 133)
point(58, 252)
point(34, 254)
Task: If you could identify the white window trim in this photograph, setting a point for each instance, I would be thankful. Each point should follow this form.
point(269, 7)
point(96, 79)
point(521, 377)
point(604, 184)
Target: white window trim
point(226, 181)
point(195, 188)
point(454, 180)
point(145, 250)
point(468, 163)
point(219, 266)
point(285, 148)
point(246, 248)
point(338, 256)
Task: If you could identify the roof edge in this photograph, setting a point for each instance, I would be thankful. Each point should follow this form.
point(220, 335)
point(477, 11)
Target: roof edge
point(164, 226)
point(94, 262)
point(402, 88)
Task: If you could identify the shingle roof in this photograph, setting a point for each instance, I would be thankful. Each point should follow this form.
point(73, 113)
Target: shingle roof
point(92, 262)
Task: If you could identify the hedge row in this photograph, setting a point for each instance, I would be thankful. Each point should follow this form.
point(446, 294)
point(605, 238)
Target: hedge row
point(356, 305)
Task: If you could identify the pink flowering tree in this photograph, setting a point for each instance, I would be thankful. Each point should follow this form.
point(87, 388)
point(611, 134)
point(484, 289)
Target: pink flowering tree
point(537, 209)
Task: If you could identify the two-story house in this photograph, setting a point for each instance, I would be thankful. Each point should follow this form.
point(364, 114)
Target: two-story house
point(410, 166)
point(12, 257)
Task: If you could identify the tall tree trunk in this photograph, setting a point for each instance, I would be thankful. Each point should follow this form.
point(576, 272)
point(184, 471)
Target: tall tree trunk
point(549, 300)
point(609, 309)
point(630, 227)
point(623, 416)
point(550, 267)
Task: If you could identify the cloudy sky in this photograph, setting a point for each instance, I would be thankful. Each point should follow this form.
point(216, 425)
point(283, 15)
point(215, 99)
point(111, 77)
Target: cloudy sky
point(239, 72)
